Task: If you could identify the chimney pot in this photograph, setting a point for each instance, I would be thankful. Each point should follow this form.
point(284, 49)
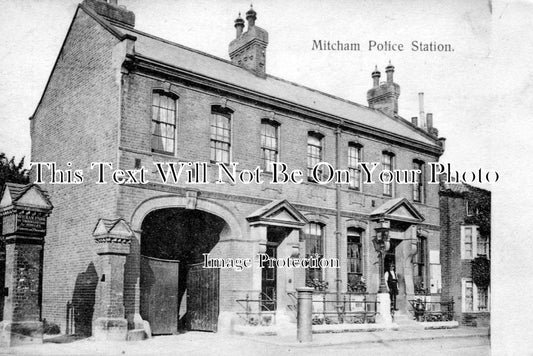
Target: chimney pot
point(414, 120)
point(390, 73)
point(375, 76)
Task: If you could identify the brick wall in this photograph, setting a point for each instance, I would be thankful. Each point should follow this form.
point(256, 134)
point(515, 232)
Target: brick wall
point(77, 121)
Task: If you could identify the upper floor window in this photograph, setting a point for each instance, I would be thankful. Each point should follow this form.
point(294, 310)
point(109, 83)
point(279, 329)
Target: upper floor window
point(387, 163)
point(163, 123)
point(467, 241)
point(269, 144)
point(220, 135)
point(418, 186)
point(473, 244)
point(314, 153)
point(314, 239)
point(469, 207)
point(354, 157)
point(354, 255)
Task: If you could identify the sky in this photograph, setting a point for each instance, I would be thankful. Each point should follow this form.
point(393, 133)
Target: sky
point(453, 83)
point(480, 94)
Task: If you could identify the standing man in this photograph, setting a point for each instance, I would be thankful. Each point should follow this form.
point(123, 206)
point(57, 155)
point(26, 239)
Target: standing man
point(392, 285)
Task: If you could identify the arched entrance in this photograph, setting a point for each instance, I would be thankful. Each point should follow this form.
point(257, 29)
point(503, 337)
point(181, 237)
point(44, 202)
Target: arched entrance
point(173, 241)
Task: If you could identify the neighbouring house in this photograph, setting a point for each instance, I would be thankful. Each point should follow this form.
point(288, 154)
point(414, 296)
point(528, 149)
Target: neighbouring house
point(465, 251)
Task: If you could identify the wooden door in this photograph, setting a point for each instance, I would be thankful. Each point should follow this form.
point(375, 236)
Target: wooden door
point(269, 281)
point(202, 297)
point(159, 294)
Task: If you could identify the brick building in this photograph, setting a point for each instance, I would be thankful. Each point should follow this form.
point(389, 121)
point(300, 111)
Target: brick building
point(465, 251)
point(123, 96)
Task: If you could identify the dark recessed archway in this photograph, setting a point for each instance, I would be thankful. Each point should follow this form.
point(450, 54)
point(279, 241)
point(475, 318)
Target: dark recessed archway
point(168, 235)
point(180, 234)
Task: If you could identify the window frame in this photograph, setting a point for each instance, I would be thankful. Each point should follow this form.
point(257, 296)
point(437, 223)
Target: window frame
point(475, 238)
point(277, 126)
point(419, 187)
point(310, 157)
point(215, 139)
point(174, 98)
point(388, 192)
point(475, 297)
point(312, 272)
point(354, 168)
point(354, 232)
point(421, 260)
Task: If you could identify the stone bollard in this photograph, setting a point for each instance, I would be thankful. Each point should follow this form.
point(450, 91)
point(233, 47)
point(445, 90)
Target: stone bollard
point(305, 315)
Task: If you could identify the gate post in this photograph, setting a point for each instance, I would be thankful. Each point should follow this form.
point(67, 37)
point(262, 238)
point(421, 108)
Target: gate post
point(113, 239)
point(305, 313)
point(24, 210)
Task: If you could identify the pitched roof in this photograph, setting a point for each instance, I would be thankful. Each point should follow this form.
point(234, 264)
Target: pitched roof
point(207, 65)
point(197, 62)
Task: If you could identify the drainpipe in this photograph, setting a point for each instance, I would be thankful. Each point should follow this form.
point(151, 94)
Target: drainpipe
point(338, 234)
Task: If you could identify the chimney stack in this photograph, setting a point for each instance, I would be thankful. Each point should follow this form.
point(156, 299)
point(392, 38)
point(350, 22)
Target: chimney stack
point(248, 50)
point(384, 96)
point(117, 15)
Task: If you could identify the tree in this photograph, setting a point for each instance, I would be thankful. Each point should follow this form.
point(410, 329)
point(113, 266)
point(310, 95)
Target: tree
point(12, 172)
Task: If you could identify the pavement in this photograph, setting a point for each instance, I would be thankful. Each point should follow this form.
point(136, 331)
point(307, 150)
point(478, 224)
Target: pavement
point(201, 343)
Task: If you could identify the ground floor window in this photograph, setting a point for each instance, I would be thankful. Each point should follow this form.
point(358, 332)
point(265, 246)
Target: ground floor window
point(354, 256)
point(313, 234)
point(475, 299)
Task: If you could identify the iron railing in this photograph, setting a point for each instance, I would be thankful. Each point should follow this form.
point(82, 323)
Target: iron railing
point(350, 309)
point(260, 311)
point(424, 310)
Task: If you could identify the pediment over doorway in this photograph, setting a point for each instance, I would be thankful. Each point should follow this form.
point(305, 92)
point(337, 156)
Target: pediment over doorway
point(399, 209)
point(279, 213)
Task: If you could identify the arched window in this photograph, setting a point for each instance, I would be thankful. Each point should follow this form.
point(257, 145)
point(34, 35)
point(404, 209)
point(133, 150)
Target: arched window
point(269, 144)
point(354, 255)
point(220, 134)
point(163, 122)
point(314, 240)
point(354, 157)
point(314, 152)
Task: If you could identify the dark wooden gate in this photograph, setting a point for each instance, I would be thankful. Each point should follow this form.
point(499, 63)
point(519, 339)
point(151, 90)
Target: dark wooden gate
point(202, 297)
point(159, 294)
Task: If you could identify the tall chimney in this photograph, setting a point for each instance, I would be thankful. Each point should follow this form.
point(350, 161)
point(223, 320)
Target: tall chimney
point(248, 50)
point(384, 96)
point(421, 110)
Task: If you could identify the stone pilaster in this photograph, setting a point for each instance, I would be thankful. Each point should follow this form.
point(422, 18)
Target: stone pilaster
point(24, 211)
point(113, 240)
